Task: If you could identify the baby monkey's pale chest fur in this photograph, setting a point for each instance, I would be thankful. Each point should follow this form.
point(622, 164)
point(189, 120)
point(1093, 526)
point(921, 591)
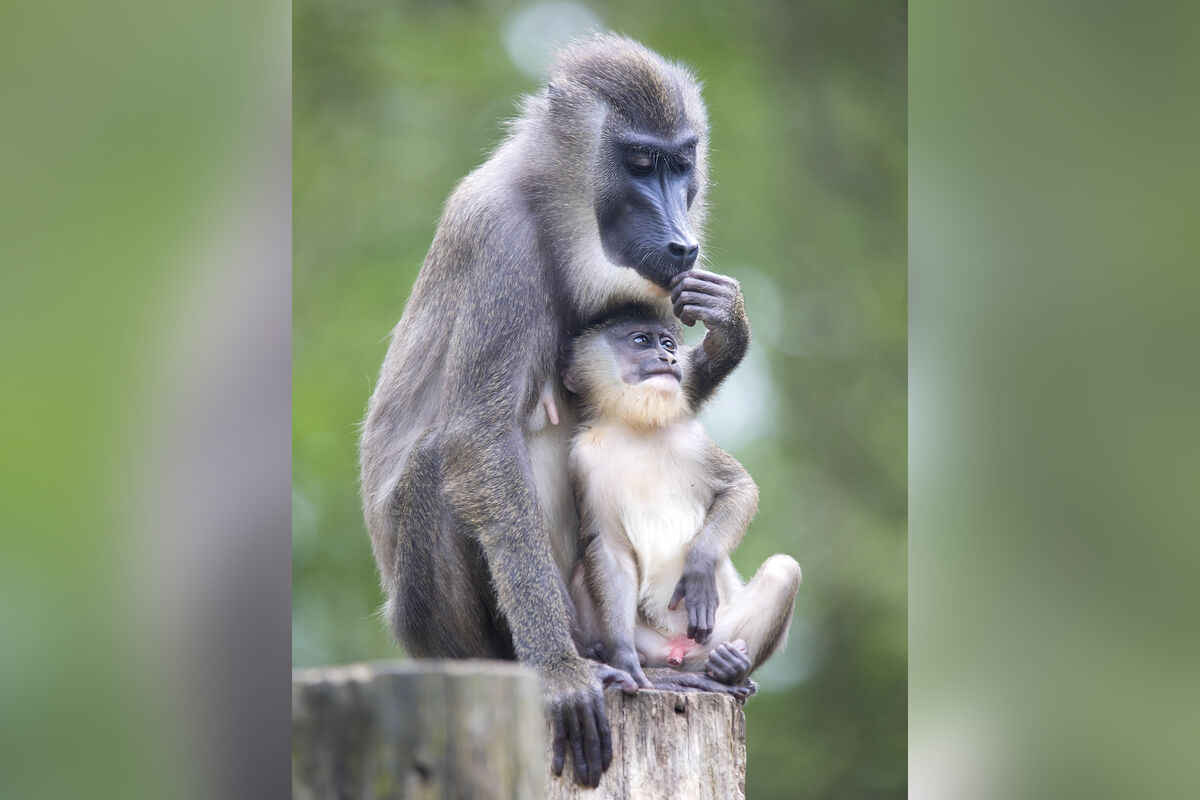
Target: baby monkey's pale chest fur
point(648, 492)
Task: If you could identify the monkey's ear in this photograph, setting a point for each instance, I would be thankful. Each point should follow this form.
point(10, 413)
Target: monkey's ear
point(569, 379)
point(552, 91)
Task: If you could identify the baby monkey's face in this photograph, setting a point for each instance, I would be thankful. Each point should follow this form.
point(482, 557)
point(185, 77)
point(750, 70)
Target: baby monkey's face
point(647, 354)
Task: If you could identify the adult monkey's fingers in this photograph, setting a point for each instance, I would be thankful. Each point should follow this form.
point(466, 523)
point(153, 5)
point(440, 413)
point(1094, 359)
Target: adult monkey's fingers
point(591, 743)
point(712, 277)
point(692, 313)
point(694, 298)
point(602, 726)
point(699, 274)
point(575, 735)
point(700, 289)
point(560, 742)
point(685, 318)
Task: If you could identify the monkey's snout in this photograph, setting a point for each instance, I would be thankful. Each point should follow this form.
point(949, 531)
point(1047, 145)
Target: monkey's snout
point(684, 252)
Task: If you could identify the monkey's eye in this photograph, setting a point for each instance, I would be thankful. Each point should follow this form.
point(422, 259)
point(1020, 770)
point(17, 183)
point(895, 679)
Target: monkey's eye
point(641, 338)
point(668, 345)
point(639, 163)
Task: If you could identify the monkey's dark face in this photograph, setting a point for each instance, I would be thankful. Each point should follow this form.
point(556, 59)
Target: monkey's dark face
point(647, 186)
point(646, 351)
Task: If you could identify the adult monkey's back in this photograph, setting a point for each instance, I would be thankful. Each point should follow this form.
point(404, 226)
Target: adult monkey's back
point(595, 198)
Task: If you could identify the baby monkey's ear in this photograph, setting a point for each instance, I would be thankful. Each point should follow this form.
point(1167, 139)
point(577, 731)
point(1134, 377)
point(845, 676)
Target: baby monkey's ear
point(569, 378)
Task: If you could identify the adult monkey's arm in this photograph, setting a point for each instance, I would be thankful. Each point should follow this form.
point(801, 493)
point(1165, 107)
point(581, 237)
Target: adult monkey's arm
point(715, 300)
point(488, 486)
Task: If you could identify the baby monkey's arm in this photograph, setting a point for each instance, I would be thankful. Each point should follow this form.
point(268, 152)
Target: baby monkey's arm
point(734, 505)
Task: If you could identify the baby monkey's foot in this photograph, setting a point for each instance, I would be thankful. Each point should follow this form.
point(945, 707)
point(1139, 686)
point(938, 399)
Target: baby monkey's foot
point(729, 663)
point(673, 680)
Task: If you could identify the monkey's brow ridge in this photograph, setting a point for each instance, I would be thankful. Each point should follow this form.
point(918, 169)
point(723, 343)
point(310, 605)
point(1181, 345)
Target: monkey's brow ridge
point(655, 144)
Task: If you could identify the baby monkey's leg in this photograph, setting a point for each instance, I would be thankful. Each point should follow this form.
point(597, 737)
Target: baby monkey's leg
point(754, 624)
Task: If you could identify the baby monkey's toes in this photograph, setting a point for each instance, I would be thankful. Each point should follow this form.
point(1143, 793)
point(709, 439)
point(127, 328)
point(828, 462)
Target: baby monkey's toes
point(729, 663)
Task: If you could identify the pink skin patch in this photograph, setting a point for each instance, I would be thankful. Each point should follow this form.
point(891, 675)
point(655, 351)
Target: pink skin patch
point(678, 649)
point(548, 403)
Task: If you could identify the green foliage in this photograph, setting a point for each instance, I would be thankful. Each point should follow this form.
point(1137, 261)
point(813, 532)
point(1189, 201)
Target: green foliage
point(395, 102)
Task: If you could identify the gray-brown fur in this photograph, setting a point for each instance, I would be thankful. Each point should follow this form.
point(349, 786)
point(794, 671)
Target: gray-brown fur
point(471, 563)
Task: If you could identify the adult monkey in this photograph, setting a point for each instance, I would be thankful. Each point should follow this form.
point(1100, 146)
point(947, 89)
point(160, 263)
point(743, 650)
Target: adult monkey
point(595, 198)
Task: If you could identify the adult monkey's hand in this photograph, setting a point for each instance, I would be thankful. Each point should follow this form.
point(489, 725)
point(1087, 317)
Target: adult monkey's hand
point(575, 703)
point(716, 300)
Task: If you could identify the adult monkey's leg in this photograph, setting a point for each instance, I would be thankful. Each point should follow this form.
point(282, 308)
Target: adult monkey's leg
point(436, 608)
point(487, 487)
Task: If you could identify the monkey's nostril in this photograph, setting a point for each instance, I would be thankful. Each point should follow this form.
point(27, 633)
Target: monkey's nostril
point(685, 252)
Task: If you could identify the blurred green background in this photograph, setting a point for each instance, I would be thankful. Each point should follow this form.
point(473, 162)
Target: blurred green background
point(395, 102)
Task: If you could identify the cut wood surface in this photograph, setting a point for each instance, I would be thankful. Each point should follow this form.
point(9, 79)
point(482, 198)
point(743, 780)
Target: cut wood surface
point(475, 729)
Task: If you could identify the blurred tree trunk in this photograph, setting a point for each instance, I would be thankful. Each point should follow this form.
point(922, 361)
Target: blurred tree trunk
point(418, 729)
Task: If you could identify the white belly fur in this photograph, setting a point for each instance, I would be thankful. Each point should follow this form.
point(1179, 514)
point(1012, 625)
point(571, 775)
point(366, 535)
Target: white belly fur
point(648, 493)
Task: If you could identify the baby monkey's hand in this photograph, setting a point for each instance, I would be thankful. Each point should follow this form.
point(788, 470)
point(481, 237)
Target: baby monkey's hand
point(698, 589)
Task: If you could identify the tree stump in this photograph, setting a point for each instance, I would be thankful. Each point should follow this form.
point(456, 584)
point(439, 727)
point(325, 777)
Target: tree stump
point(475, 730)
point(668, 746)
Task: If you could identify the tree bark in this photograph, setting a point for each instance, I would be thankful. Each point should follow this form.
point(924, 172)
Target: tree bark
point(668, 746)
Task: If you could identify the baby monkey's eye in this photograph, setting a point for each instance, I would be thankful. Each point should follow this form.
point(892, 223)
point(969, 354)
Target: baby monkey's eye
point(668, 345)
point(641, 338)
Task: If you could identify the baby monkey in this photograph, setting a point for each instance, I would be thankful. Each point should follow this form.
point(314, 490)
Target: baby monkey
point(661, 508)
